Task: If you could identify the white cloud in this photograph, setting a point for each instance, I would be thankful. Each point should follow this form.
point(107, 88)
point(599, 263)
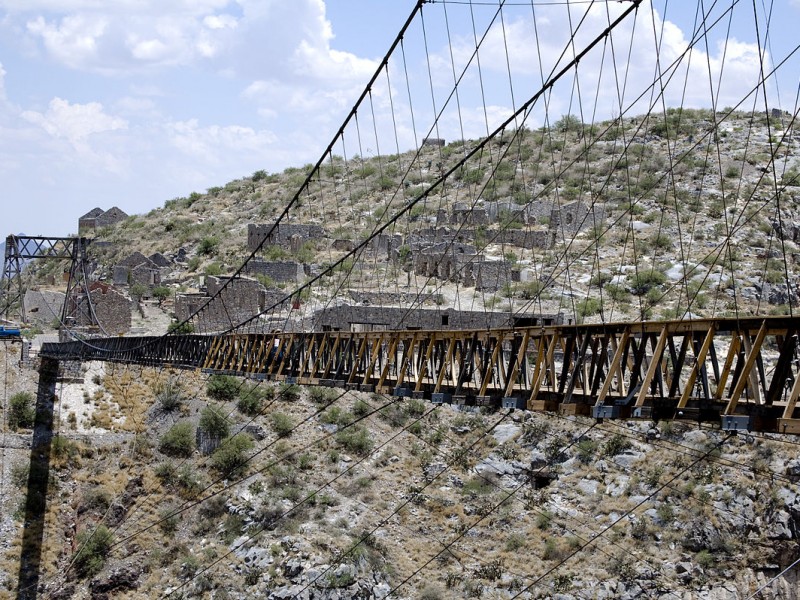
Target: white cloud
point(214, 144)
point(2, 82)
point(514, 45)
point(74, 122)
point(73, 41)
point(220, 22)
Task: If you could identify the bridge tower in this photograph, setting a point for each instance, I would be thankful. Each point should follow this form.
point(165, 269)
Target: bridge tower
point(20, 250)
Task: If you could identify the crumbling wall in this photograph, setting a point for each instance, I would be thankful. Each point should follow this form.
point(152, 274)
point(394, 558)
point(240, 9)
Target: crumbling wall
point(111, 309)
point(242, 299)
point(42, 307)
point(280, 272)
point(346, 318)
point(282, 234)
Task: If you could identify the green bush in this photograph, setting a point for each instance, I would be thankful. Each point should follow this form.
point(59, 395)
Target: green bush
point(289, 392)
point(169, 397)
point(361, 408)
point(322, 395)
point(230, 458)
point(356, 440)
point(643, 281)
point(180, 328)
point(252, 399)
point(179, 440)
point(208, 246)
point(282, 424)
point(215, 422)
point(21, 411)
point(93, 550)
point(222, 387)
point(161, 293)
point(586, 450)
point(588, 307)
point(616, 444)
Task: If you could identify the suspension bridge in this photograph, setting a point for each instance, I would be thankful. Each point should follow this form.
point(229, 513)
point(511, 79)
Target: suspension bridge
point(697, 346)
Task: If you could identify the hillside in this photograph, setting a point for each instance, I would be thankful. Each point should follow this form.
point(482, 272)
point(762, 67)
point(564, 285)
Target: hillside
point(180, 484)
point(670, 217)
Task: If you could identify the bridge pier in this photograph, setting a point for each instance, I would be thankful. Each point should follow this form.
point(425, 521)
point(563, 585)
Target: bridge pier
point(38, 476)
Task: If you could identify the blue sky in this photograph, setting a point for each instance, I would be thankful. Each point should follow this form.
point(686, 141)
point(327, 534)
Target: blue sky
point(134, 102)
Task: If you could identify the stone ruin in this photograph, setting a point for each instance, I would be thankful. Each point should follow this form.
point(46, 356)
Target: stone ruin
point(279, 271)
point(432, 141)
point(111, 308)
point(43, 307)
point(373, 318)
point(101, 307)
point(285, 235)
point(242, 299)
point(97, 217)
point(388, 298)
point(138, 269)
point(568, 218)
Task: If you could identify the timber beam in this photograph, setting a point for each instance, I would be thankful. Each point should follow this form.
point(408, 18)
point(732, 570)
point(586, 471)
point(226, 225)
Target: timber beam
point(741, 373)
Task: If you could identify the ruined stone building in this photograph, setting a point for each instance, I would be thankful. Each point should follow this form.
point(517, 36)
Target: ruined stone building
point(285, 235)
point(43, 307)
point(138, 269)
point(97, 217)
point(374, 318)
point(241, 299)
point(109, 308)
point(288, 271)
point(546, 216)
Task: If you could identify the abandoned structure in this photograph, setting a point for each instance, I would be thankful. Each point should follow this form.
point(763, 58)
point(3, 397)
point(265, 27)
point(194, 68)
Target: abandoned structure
point(97, 217)
point(103, 306)
point(241, 299)
point(138, 269)
point(372, 318)
point(285, 235)
point(550, 215)
point(43, 307)
point(288, 271)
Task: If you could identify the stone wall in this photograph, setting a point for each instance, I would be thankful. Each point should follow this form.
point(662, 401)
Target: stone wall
point(97, 217)
point(282, 235)
point(111, 308)
point(576, 216)
point(280, 272)
point(387, 298)
point(242, 299)
point(42, 307)
point(547, 215)
point(525, 238)
point(347, 318)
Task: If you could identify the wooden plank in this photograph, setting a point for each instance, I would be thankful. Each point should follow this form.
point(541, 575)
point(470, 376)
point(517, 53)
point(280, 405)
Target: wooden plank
point(517, 361)
point(700, 361)
point(733, 351)
point(424, 365)
point(445, 365)
point(755, 349)
point(613, 368)
point(654, 364)
point(486, 375)
point(548, 359)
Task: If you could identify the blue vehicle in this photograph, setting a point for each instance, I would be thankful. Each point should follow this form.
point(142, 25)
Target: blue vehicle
point(9, 332)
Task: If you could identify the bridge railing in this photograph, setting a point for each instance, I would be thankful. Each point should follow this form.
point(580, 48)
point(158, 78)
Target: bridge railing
point(743, 371)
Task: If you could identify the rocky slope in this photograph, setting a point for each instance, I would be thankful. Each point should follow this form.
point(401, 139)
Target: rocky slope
point(315, 493)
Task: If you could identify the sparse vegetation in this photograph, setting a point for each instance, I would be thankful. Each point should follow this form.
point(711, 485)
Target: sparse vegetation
point(214, 421)
point(21, 411)
point(230, 459)
point(179, 440)
point(93, 548)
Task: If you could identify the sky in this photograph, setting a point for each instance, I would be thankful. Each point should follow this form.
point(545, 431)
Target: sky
point(130, 103)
